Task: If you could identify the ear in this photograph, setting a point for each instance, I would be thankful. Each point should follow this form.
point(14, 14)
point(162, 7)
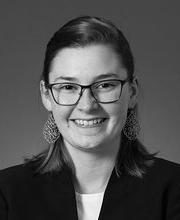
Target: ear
point(45, 96)
point(134, 90)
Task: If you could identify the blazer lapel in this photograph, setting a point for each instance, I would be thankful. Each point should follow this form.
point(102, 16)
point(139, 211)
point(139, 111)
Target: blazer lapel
point(116, 191)
point(63, 195)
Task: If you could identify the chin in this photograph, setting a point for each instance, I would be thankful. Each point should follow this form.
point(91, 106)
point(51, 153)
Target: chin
point(89, 145)
point(90, 148)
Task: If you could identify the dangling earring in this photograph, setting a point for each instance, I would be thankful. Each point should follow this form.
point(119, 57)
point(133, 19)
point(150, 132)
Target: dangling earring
point(50, 130)
point(131, 128)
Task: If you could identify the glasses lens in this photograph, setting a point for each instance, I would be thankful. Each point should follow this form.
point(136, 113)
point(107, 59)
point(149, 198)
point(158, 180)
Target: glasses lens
point(66, 93)
point(107, 91)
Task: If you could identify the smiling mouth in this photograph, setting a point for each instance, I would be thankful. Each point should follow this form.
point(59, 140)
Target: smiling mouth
point(89, 123)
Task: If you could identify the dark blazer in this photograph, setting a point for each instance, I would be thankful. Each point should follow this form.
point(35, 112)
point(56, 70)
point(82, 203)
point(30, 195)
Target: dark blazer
point(25, 195)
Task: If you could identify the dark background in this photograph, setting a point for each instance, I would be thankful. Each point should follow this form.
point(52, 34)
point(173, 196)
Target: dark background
point(153, 29)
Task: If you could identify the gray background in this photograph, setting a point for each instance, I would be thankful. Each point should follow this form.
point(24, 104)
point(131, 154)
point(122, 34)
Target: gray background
point(152, 28)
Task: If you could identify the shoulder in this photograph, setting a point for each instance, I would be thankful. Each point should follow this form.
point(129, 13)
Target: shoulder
point(15, 174)
point(24, 191)
point(23, 175)
point(165, 167)
point(13, 180)
point(163, 173)
point(165, 178)
point(21, 180)
point(26, 177)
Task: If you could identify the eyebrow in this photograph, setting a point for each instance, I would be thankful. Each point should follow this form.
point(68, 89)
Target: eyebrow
point(99, 77)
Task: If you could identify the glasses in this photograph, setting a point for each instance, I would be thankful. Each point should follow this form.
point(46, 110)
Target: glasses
point(106, 91)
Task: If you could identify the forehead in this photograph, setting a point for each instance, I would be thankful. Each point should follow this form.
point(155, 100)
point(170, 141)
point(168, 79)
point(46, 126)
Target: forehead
point(86, 63)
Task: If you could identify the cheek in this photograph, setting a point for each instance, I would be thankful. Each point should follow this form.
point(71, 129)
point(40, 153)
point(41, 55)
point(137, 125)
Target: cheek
point(118, 114)
point(61, 116)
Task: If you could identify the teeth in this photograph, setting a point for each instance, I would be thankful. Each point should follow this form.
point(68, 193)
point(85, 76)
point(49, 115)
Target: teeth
point(88, 123)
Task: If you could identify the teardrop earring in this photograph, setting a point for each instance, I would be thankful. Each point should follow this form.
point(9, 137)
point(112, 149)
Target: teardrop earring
point(131, 128)
point(50, 130)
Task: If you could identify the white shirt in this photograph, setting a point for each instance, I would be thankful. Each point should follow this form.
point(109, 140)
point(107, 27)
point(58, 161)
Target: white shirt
point(89, 205)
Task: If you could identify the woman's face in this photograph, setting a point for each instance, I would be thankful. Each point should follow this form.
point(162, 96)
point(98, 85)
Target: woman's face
point(86, 65)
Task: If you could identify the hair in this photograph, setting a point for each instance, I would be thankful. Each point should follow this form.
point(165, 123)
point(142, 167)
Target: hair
point(83, 31)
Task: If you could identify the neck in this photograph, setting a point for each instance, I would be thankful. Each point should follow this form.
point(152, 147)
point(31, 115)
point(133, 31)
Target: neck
point(93, 167)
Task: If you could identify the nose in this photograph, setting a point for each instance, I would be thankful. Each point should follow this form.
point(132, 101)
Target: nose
point(87, 102)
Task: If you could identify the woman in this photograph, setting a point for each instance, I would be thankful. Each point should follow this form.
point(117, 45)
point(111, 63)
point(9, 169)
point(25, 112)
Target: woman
point(95, 167)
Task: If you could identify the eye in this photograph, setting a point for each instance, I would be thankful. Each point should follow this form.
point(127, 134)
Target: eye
point(106, 85)
point(66, 87)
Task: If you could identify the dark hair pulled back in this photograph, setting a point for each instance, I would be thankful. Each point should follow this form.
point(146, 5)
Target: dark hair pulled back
point(84, 31)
